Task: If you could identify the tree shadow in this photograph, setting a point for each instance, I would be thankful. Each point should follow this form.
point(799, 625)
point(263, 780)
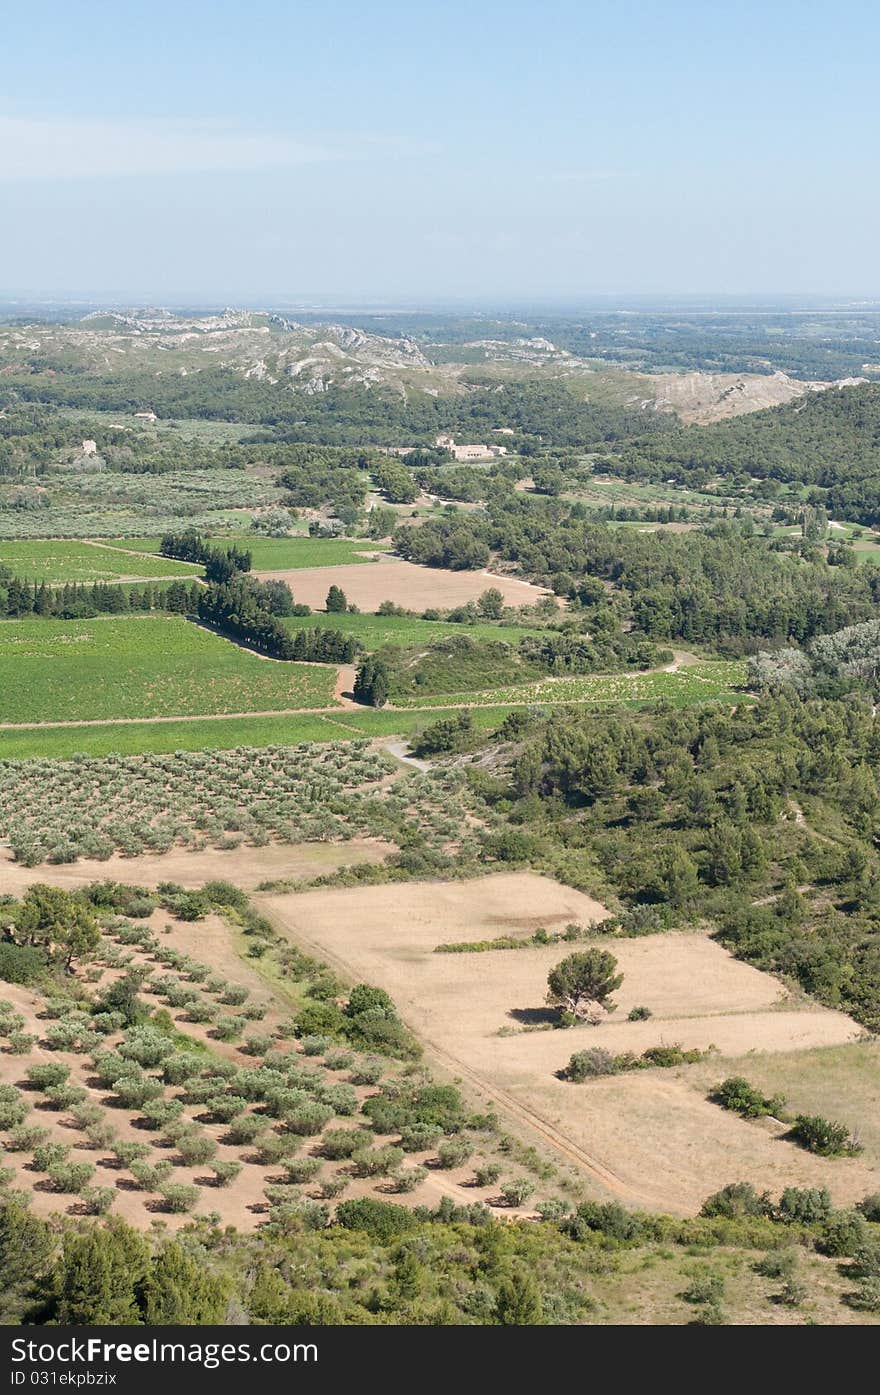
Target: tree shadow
point(534, 1017)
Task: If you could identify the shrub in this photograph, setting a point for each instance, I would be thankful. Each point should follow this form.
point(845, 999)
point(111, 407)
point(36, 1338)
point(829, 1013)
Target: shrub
point(870, 1207)
point(132, 1092)
point(408, 1178)
point(453, 1152)
point(235, 995)
point(21, 963)
point(180, 1197)
point(47, 1074)
point(65, 1096)
point(823, 1136)
point(150, 1176)
point(100, 1135)
point(126, 1153)
point(246, 1128)
point(20, 1043)
point(382, 1220)
point(337, 1058)
point(158, 1113)
point(332, 1187)
point(341, 1098)
point(13, 1112)
point(777, 1264)
point(24, 1138)
point(341, 1143)
point(308, 1119)
point(377, 1162)
point(146, 1046)
point(98, 1200)
point(418, 1138)
point(225, 1172)
point(196, 1148)
point(301, 1169)
point(368, 1073)
point(487, 1175)
point(865, 1298)
point(275, 1146)
point(804, 1205)
point(737, 1094)
point(844, 1233)
point(226, 1107)
point(639, 1014)
point(585, 1065)
point(673, 1055)
point(48, 1155)
point(517, 1192)
point(705, 1288)
point(227, 1028)
point(736, 1199)
point(314, 1045)
point(70, 1176)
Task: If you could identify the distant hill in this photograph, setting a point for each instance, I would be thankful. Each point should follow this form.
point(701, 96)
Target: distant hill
point(830, 440)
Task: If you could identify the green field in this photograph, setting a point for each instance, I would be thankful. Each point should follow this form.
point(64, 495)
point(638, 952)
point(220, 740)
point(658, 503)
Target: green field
point(222, 733)
point(711, 681)
point(142, 666)
point(375, 630)
point(280, 554)
point(62, 561)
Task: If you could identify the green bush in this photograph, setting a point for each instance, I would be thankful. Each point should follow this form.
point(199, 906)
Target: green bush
point(518, 1191)
point(21, 963)
point(823, 1136)
point(133, 1092)
point(150, 1176)
point(870, 1207)
point(24, 1138)
point(47, 1155)
point(47, 1074)
point(337, 1144)
point(382, 1220)
point(586, 1065)
point(299, 1170)
point(734, 1200)
point(180, 1197)
point(98, 1200)
point(804, 1205)
point(126, 1153)
point(843, 1234)
point(225, 1172)
point(308, 1119)
point(453, 1152)
point(737, 1094)
point(196, 1148)
point(246, 1128)
point(70, 1176)
point(376, 1162)
point(487, 1175)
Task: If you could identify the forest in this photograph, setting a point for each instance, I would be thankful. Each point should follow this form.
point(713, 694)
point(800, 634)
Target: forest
point(762, 820)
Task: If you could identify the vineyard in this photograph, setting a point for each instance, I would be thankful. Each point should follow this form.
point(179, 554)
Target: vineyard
point(144, 666)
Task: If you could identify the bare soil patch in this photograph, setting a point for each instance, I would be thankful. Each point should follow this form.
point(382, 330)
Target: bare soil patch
point(404, 583)
point(647, 1137)
point(246, 867)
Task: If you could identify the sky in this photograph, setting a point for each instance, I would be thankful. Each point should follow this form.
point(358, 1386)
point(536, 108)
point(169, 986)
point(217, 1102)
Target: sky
point(283, 152)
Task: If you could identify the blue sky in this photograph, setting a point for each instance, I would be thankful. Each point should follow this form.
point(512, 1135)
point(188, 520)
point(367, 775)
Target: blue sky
point(275, 150)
